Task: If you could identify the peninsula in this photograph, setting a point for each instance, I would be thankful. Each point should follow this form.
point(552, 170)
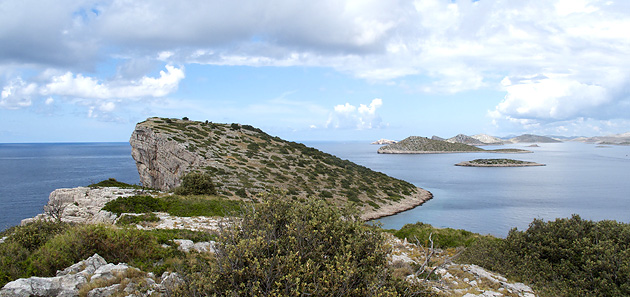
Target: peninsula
point(423, 145)
point(245, 161)
point(498, 163)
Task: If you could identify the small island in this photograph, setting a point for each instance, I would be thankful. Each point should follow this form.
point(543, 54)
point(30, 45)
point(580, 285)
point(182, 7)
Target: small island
point(498, 163)
point(423, 145)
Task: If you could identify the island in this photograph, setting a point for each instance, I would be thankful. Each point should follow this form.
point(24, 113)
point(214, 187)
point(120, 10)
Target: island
point(423, 145)
point(497, 163)
point(383, 141)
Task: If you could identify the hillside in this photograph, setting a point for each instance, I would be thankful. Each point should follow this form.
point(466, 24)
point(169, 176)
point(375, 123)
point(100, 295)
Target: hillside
point(465, 139)
point(246, 161)
point(621, 139)
point(419, 145)
point(529, 138)
point(423, 145)
point(487, 139)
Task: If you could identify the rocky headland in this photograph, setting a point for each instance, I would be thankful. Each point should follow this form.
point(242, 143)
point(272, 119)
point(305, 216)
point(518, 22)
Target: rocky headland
point(245, 161)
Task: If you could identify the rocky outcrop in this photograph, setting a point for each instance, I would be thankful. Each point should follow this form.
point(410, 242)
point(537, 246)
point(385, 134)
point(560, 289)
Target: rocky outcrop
point(383, 141)
point(454, 279)
point(161, 160)
point(487, 139)
point(95, 277)
point(82, 204)
point(465, 139)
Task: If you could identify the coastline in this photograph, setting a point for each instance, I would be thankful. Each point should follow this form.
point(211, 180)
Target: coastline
point(416, 199)
point(450, 152)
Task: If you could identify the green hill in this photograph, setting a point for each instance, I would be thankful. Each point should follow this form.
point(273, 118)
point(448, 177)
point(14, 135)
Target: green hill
point(245, 161)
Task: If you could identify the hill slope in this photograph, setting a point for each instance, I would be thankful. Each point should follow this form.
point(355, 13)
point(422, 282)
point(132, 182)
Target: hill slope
point(529, 138)
point(419, 145)
point(245, 161)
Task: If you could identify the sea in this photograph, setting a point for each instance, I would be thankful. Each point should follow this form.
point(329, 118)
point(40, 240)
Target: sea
point(588, 180)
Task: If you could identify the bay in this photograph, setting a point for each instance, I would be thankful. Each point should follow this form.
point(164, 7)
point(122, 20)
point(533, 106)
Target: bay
point(584, 179)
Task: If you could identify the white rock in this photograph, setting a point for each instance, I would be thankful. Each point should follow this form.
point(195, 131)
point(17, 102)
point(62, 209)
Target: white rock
point(109, 271)
point(186, 245)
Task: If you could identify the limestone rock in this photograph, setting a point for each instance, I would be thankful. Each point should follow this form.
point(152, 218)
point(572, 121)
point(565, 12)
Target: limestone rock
point(161, 162)
point(107, 278)
point(186, 245)
point(83, 204)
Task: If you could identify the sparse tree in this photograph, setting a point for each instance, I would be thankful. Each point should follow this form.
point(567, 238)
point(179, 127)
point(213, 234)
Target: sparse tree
point(54, 209)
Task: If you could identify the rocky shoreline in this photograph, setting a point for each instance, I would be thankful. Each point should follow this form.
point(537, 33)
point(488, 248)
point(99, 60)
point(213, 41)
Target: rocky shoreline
point(417, 199)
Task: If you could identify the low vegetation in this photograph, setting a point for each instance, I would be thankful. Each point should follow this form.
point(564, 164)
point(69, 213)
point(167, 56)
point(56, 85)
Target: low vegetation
point(565, 257)
point(423, 144)
point(112, 182)
point(41, 248)
point(441, 237)
point(286, 248)
point(182, 206)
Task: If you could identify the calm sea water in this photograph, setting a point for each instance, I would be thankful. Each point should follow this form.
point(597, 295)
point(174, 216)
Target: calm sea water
point(583, 179)
point(29, 172)
point(579, 179)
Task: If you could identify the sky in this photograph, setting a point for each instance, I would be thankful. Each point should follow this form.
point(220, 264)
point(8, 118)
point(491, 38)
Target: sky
point(88, 71)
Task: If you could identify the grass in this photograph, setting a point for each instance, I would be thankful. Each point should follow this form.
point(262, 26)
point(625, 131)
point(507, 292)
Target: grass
point(442, 237)
point(112, 182)
point(182, 206)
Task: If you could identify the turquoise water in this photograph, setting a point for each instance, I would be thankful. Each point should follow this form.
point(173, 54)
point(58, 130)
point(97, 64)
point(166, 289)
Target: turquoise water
point(579, 179)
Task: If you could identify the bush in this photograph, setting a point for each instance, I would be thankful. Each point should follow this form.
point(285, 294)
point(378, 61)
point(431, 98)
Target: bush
point(565, 257)
point(135, 204)
point(135, 247)
point(284, 248)
point(196, 183)
point(442, 237)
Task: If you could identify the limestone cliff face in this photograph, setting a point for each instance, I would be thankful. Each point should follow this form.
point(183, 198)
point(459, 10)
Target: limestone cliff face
point(161, 161)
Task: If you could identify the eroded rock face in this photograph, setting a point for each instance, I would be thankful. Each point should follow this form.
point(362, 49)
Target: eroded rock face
point(161, 161)
point(83, 204)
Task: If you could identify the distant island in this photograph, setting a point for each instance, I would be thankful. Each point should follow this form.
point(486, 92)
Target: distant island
point(383, 141)
point(498, 163)
point(423, 145)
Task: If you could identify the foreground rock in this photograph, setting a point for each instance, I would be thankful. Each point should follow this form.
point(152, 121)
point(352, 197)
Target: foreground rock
point(452, 279)
point(82, 204)
point(94, 277)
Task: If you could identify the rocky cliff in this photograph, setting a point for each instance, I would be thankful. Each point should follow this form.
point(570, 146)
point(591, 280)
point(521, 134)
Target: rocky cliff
point(246, 161)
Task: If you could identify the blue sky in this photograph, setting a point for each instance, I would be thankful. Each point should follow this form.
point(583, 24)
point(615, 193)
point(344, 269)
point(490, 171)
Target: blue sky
point(319, 70)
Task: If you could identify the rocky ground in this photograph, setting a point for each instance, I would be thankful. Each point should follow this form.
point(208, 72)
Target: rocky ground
point(94, 277)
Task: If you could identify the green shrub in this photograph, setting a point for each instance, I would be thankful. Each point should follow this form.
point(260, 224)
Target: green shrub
point(196, 183)
point(285, 248)
point(135, 247)
point(112, 182)
point(135, 204)
point(127, 219)
point(442, 237)
point(565, 257)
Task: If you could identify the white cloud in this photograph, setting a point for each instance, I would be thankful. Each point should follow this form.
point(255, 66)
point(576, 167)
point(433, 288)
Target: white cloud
point(17, 94)
point(348, 116)
point(454, 46)
point(78, 85)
